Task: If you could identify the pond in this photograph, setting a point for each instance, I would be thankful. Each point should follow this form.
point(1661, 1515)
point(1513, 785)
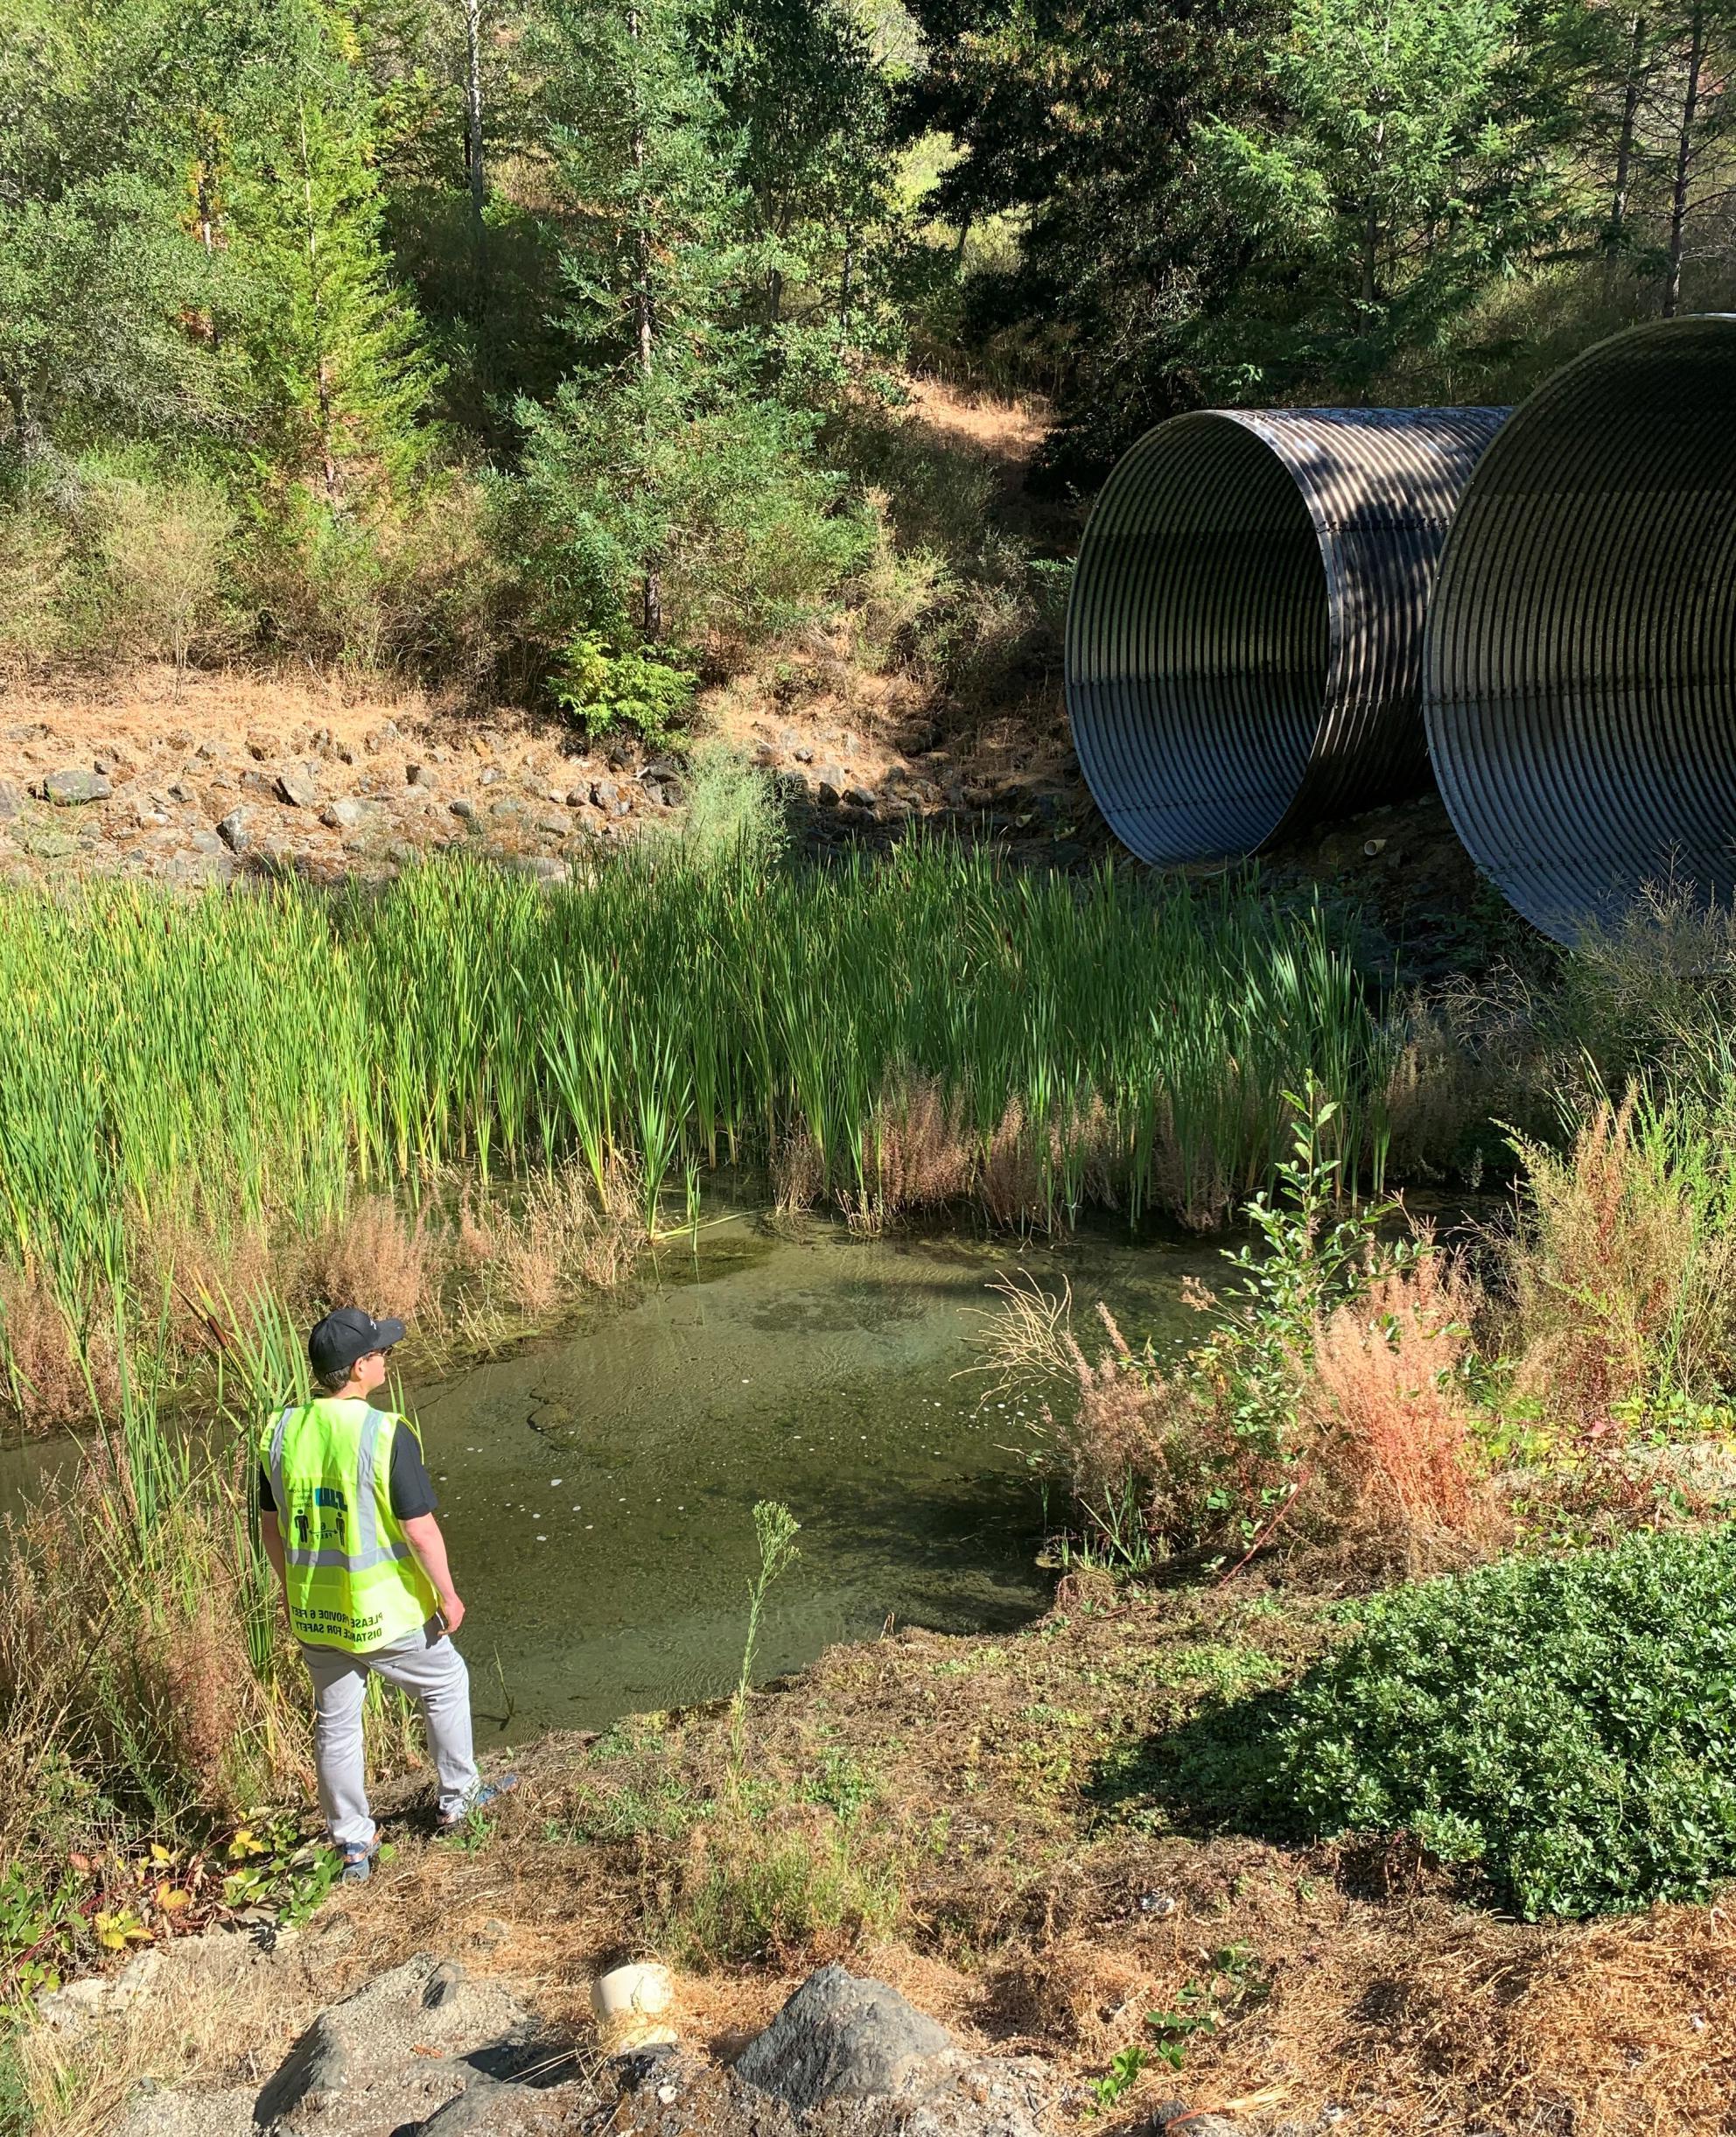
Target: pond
point(597, 1489)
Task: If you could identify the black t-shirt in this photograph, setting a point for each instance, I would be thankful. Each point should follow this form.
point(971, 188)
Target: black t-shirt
point(412, 1486)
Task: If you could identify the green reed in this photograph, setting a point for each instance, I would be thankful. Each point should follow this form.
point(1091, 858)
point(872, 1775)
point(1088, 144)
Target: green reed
point(261, 1053)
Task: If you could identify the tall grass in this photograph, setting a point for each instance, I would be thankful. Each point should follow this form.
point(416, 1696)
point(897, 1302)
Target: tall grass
point(262, 1058)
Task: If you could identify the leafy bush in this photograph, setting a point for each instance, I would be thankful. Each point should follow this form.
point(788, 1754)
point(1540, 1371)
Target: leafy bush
point(603, 689)
point(1564, 1726)
point(720, 506)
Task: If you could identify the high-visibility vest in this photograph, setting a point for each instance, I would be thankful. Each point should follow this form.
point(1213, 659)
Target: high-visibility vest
point(353, 1581)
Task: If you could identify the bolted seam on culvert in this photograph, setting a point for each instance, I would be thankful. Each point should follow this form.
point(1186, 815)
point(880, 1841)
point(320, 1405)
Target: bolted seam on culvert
point(1244, 632)
point(1580, 664)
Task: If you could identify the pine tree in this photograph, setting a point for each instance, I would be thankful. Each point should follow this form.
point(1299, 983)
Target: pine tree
point(1400, 182)
point(339, 374)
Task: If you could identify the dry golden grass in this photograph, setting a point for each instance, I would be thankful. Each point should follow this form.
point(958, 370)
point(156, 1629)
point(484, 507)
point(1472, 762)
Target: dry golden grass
point(1393, 1426)
point(52, 1354)
point(218, 2012)
point(374, 1251)
point(1612, 1269)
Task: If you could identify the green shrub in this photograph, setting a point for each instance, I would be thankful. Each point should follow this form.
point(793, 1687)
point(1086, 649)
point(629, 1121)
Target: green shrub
point(603, 689)
point(1566, 1726)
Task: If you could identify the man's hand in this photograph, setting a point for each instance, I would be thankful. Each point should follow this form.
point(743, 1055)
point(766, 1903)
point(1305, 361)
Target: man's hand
point(429, 1546)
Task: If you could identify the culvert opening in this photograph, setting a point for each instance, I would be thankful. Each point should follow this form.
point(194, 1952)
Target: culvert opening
point(1580, 693)
point(1244, 635)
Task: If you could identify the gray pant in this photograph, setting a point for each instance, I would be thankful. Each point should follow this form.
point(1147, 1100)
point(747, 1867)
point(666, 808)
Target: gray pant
point(430, 1669)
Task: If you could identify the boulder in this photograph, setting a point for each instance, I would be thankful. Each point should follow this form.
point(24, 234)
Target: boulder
point(463, 810)
point(71, 789)
point(296, 788)
point(317, 2068)
point(842, 2037)
point(420, 776)
point(10, 801)
point(343, 814)
point(233, 832)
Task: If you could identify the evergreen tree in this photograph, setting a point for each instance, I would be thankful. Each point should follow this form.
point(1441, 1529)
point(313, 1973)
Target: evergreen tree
point(339, 375)
point(807, 119)
point(1401, 180)
point(669, 494)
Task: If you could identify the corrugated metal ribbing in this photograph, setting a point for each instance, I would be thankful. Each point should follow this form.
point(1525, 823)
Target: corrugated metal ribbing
point(1580, 670)
point(1245, 635)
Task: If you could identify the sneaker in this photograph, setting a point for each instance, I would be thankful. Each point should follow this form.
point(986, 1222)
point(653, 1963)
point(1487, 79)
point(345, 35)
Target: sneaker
point(480, 1798)
point(359, 1860)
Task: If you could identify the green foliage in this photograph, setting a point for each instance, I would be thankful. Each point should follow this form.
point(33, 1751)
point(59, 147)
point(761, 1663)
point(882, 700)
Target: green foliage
point(678, 1012)
point(1400, 182)
point(603, 691)
point(775, 1529)
point(730, 817)
point(1126, 2066)
point(1565, 1728)
point(758, 1891)
point(1309, 1257)
point(338, 370)
point(700, 497)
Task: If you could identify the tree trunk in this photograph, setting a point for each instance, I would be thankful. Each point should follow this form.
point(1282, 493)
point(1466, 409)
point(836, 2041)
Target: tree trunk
point(1685, 160)
point(473, 124)
point(775, 292)
point(644, 322)
point(1624, 140)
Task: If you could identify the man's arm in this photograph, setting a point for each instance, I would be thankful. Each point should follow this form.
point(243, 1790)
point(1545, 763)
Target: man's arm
point(272, 1538)
point(423, 1533)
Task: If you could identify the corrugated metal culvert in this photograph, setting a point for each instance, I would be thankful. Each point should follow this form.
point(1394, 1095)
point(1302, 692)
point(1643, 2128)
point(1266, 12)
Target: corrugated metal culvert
point(1580, 694)
point(1244, 635)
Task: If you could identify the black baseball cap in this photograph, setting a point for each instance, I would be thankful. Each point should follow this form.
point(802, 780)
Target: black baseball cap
point(348, 1335)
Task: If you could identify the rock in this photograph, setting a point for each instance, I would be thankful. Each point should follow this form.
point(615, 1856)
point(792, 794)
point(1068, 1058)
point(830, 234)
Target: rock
point(605, 792)
point(463, 809)
point(579, 797)
point(179, 791)
point(205, 842)
point(442, 1985)
point(860, 797)
point(802, 756)
point(317, 2068)
point(420, 776)
point(260, 747)
point(977, 797)
point(343, 814)
point(393, 2054)
point(1202, 2124)
point(298, 790)
point(97, 1995)
point(233, 832)
point(490, 776)
point(70, 789)
point(10, 801)
point(841, 2036)
point(552, 827)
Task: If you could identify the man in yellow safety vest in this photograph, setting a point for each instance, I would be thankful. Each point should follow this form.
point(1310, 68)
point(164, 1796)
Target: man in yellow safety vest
point(346, 1517)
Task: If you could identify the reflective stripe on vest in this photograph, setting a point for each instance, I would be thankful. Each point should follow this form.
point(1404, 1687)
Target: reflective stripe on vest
point(351, 1577)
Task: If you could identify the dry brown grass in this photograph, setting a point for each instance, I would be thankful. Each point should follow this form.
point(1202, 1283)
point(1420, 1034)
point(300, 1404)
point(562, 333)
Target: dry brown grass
point(1393, 1424)
point(1380, 1465)
point(564, 1237)
point(1614, 1276)
point(374, 1251)
point(52, 1356)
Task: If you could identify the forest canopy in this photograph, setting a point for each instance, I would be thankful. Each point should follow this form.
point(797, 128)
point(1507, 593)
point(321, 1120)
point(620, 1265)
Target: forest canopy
point(507, 341)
